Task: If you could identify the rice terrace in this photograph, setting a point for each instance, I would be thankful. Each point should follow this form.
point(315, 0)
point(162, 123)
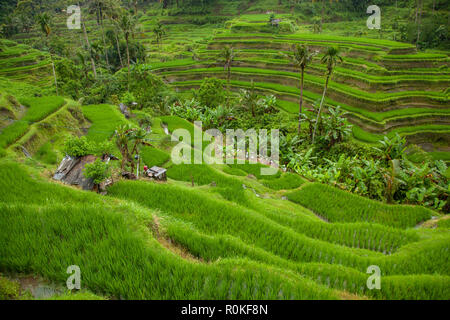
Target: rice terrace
point(224, 150)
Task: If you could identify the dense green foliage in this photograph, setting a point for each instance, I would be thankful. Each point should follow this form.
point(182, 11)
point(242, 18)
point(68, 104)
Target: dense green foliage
point(362, 179)
point(342, 206)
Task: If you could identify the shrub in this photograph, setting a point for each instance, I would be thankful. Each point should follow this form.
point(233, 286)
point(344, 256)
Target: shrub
point(97, 171)
point(77, 146)
point(211, 92)
point(128, 98)
point(8, 289)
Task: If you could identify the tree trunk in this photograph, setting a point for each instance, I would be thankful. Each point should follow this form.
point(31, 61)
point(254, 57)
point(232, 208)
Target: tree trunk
point(418, 23)
point(94, 70)
point(228, 84)
point(300, 103)
point(228, 78)
point(103, 38)
point(320, 108)
point(54, 74)
point(128, 62)
point(118, 50)
point(323, 12)
point(417, 10)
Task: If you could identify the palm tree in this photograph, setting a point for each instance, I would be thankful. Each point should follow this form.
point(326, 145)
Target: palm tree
point(419, 21)
point(88, 46)
point(249, 99)
point(317, 24)
point(82, 61)
point(331, 58)
point(44, 22)
point(127, 24)
point(111, 35)
point(227, 57)
point(112, 11)
point(300, 58)
point(100, 6)
point(159, 33)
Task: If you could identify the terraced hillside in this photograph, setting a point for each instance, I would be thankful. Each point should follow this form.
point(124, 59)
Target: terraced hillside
point(239, 238)
point(355, 199)
point(385, 86)
point(22, 63)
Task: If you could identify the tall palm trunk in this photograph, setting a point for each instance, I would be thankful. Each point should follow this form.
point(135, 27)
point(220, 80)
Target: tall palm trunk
point(320, 107)
point(419, 22)
point(228, 84)
point(94, 70)
point(54, 74)
point(103, 38)
point(301, 102)
point(118, 50)
point(53, 65)
point(128, 61)
point(228, 78)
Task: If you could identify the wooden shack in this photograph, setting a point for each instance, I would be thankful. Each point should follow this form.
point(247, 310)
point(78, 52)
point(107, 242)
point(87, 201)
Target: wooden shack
point(70, 170)
point(157, 173)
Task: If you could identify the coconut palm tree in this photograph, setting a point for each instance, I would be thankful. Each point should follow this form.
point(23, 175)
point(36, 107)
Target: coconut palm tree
point(331, 58)
point(88, 46)
point(112, 11)
point(99, 7)
point(300, 58)
point(317, 24)
point(44, 22)
point(111, 36)
point(82, 61)
point(249, 99)
point(226, 58)
point(159, 33)
point(127, 25)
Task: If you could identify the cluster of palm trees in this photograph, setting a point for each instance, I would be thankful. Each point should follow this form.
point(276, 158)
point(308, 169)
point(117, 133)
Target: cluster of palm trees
point(122, 22)
point(128, 140)
point(301, 57)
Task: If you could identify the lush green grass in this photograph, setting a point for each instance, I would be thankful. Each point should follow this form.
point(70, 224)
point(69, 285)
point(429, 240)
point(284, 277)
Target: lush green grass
point(46, 154)
point(234, 171)
point(255, 170)
point(340, 206)
point(128, 262)
point(196, 135)
point(105, 119)
point(417, 56)
point(318, 82)
point(285, 182)
point(218, 217)
point(365, 136)
point(38, 109)
point(322, 38)
point(153, 157)
point(201, 174)
point(41, 107)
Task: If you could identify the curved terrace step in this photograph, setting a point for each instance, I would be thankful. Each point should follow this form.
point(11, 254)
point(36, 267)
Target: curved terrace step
point(288, 84)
